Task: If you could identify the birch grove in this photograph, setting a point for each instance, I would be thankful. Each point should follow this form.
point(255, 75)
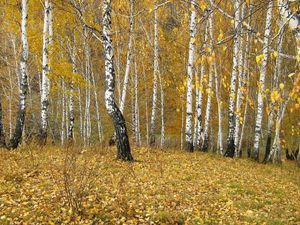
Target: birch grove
point(209, 76)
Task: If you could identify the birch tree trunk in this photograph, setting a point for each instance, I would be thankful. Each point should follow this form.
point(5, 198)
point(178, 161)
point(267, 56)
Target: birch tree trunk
point(129, 56)
point(261, 84)
point(123, 146)
point(155, 76)
point(275, 154)
point(71, 98)
point(210, 85)
point(146, 104)
point(20, 119)
point(246, 71)
point(2, 136)
point(199, 135)
point(275, 85)
point(162, 111)
point(241, 78)
point(45, 87)
point(292, 19)
point(190, 68)
point(231, 110)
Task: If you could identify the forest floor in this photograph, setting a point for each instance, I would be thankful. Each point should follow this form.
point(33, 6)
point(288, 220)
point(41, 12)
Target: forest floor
point(75, 186)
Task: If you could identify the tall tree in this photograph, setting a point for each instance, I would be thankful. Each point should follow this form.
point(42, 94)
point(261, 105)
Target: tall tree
point(2, 136)
point(123, 146)
point(155, 78)
point(23, 86)
point(45, 87)
point(261, 84)
point(231, 110)
point(190, 71)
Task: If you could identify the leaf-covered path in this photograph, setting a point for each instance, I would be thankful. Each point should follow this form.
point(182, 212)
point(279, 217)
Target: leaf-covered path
point(55, 186)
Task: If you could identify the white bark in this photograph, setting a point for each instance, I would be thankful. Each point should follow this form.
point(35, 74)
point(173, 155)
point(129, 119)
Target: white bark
point(241, 78)
point(210, 87)
point(99, 123)
point(190, 68)
point(155, 78)
point(199, 134)
point(292, 19)
point(129, 56)
point(20, 120)
point(162, 111)
point(261, 84)
point(231, 113)
point(45, 87)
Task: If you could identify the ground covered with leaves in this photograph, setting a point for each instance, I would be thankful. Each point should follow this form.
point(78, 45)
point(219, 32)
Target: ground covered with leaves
point(88, 186)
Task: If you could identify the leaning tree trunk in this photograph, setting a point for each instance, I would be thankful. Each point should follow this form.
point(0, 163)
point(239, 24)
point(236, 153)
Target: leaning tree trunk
point(2, 136)
point(45, 87)
point(292, 19)
point(190, 68)
point(261, 84)
point(16, 139)
point(123, 146)
point(231, 114)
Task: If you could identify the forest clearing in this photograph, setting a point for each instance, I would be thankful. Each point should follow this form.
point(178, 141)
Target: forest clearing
point(76, 186)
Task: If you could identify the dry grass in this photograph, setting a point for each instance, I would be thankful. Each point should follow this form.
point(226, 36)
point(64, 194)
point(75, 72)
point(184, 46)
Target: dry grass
point(75, 186)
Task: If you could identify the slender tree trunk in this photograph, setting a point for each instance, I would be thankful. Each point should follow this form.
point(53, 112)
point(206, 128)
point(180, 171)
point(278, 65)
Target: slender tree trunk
point(162, 111)
point(63, 112)
point(261, 84)
point(231, 111)
point(71, 98)
point(146, 104)
point(210, 86)
point(2, 136)
point(241, 83)
point(190, 68)
point(275, 86)
point(292, 19)
point(129, 56)
point(136, 105)
point(99, 124)
point(246, 76)
point(199, 139)
point(155, 76)
point(45, 88)
point(123, 146)
point(275, 154)
point(20, 119)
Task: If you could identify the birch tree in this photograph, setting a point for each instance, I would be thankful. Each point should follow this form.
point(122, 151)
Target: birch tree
point(129, 55)
point(209, 90)
point(2, 136)
point(45, 87)
point(155, 78)
point(275, 86)
point(231, 110)
point(190, 71)
point(123, 146)
point(261, 84)
point(23, 86)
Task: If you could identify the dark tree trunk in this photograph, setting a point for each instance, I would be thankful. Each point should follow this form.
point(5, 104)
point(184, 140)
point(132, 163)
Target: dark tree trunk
point(16, 139)
point(124, 152)
point(230, 148)
point(2, 136)
point(268, 147)
point(205, 145)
